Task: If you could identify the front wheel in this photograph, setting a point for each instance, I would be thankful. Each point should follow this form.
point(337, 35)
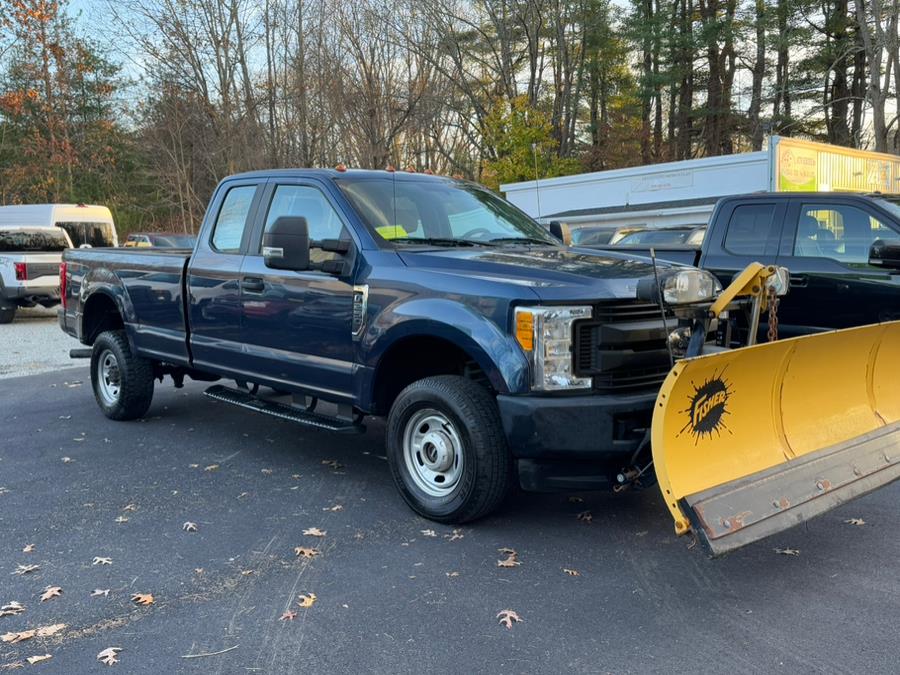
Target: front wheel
point(122, 382)
point(447, 450)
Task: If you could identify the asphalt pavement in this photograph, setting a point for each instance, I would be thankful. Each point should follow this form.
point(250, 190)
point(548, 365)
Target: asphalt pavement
point(394, 593)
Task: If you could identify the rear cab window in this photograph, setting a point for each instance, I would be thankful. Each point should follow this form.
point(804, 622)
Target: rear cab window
point(33, 240)
point(231, 221)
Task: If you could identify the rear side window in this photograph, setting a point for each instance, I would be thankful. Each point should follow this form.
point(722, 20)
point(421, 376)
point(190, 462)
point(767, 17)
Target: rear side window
point(32, 241)
point(232, 219)
point(89, 234)
point(750, 229)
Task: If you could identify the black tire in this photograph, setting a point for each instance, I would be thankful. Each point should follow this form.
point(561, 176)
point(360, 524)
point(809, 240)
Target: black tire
point(134, 377)
point(7, 314)
point(485, 476)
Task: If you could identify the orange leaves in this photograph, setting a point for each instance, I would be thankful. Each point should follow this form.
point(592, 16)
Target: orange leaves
point(108, 655)
point(306, 600)
point(314, 532)
point(303, 552)
point(42, 631)
point(143, 599)
point(508, 617)
point(51, 592)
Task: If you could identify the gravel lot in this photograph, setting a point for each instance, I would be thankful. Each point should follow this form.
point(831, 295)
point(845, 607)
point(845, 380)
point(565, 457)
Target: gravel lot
point(34, 343)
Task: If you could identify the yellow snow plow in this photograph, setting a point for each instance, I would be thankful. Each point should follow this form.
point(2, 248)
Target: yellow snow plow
point(750, 441)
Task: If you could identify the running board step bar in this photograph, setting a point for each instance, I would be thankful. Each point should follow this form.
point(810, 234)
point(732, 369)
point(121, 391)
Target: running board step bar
point(245, 399)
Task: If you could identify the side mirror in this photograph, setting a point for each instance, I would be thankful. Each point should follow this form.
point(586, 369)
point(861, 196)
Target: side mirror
point(885, 253)
point(561, 231)
point(285, 245)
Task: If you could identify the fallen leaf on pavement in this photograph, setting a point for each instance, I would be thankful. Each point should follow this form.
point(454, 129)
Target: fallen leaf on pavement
point(508, 617)
point(456, 534)
point(306, 552)
point(246, 573)
point(29, 548)
point(295, 476)
point(586, 517)
point(108, 655)
point(428, 533)
point(510, 561)
point(267, 472)
point(100, 591)
point(122, 519)
point(787, 551)
point(193, 466)
point(334, 464)
point(130, 507)
point(26, 569)
point(51, 592)
point(12, 608)
point(855, 521)
point(314, 532)
point(43, 631)
point(198, 570)
point(189, 527)
point(211, 467)
point(452, 574)
point(67, 460)
point(306, 600)
point(101, 561)
point(507, 551)
point(288, 615)
point(571, 573)
point(143, 598)
point(336, 507)
point(37, 659)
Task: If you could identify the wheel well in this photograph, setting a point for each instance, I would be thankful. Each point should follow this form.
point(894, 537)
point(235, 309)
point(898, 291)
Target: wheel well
point(100, 314)
point(414, 358)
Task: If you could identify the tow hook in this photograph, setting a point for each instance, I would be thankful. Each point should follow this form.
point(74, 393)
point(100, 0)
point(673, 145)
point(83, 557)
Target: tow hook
point(630, 477)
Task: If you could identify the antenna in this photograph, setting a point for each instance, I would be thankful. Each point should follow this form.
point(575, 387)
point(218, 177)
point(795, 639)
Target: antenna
point(662, 307)
point(537, 182)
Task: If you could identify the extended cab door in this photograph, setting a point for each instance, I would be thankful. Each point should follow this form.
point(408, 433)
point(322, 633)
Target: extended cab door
point(213, 281)
point(297, 324)
point(825, 245)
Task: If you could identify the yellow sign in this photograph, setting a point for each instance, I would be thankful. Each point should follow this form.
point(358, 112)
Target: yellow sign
point(797, 169)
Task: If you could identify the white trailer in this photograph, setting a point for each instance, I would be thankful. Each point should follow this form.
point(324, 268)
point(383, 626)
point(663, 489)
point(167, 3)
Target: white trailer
point(684, 193)
point(86, 224)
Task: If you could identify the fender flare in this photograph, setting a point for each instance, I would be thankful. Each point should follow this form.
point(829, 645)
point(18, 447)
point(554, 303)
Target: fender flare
point(491, 347)
point(105, 282)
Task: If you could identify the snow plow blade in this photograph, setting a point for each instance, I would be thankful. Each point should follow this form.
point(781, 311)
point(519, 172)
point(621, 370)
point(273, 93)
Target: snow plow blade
point(749, 442)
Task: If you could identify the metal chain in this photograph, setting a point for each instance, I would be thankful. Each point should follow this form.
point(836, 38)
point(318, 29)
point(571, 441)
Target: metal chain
point(774, 300)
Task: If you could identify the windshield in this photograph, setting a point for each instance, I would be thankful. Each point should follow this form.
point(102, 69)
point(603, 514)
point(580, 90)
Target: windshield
point(439, 212)
point(92, 234)
point(587, 236)
point(44, 240)
point(891, 205)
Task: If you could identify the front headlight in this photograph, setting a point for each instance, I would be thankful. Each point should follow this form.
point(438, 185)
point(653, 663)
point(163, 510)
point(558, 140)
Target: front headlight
point(680, 287)
point(545, 335)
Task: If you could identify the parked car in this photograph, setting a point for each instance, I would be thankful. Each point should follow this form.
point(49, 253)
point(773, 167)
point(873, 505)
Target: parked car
point(660, 236)
point(494, 351)
point(86, 225)
point(29, 267)
point(159, 240)
point(824, 239)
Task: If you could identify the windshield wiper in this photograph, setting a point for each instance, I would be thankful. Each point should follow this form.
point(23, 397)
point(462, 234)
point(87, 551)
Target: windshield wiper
point(439, 241)
point(520, 240)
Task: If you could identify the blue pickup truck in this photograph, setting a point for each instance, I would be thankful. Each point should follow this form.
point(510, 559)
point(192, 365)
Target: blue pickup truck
point(496, 354)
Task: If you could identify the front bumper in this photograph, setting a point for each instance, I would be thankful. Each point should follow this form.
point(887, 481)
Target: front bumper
point(574, 442)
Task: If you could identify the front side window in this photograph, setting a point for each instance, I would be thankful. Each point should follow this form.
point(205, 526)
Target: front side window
point(840, 232)
point(232, 219)
point(439, 211)
point(749, 229)
point(308, 202)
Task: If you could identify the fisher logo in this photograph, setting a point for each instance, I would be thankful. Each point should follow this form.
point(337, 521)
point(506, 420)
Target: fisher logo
point(709, 406)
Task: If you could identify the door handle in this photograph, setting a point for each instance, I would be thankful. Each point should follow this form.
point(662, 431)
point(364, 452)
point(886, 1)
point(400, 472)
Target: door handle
point(799, 280)
point(252, 284)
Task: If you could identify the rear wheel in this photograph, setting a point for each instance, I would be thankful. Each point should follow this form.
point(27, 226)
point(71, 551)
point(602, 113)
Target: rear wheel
point(122, 382)
point(447, 450)
point(7, 314)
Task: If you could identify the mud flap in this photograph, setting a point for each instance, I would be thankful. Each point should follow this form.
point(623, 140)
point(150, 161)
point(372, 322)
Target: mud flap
point(752, 441)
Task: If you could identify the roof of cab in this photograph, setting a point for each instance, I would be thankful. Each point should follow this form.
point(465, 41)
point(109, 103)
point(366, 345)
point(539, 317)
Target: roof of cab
point(335, 173)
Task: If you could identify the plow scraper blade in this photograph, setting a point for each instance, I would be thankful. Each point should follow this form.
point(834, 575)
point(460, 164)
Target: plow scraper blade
point(752, 441)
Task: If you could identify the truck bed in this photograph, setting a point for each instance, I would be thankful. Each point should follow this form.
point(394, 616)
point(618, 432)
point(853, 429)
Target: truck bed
point(148, 287)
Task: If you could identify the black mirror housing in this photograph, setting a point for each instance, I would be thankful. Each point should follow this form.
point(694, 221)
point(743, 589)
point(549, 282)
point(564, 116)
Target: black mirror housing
point(885, 253)
point(285, 245)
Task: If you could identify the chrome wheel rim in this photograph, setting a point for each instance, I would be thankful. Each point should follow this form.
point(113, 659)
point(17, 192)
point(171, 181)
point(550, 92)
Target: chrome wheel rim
point(109, 379)
point(433, 452)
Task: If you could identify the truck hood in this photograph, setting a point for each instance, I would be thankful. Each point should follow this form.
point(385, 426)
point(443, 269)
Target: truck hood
point(552, 273)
